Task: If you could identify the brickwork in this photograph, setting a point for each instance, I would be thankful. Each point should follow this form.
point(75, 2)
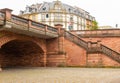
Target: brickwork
point(106, 61)
point(53, 52)
point(99, 60)
point(94, 60)
point(111, 42)
point(76, 56)
point(56, 60)
point(22, 50)
point(8, 36)
point(33, 48)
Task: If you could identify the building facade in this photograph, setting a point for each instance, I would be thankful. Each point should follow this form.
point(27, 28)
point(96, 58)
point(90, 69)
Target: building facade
point(56, 12)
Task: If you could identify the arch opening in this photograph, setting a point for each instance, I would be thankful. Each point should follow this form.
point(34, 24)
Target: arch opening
point(17, 53)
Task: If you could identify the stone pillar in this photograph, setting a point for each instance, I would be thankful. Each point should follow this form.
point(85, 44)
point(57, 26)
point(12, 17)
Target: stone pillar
point(61, 37)
point(7, 13)
point(29, 23)
point(98, 43)
point(89, 44)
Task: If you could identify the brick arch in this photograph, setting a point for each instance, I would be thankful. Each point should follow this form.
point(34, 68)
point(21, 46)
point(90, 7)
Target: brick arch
point(11, 36)
point(26, 59)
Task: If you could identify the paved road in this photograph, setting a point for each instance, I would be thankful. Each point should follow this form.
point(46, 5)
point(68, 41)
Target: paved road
point(60, 75)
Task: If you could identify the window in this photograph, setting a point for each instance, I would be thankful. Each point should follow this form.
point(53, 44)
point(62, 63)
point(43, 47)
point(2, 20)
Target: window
point(70, 27)
point(71, 18)
point(44, 8)
point(47, 16)
point(69, 10)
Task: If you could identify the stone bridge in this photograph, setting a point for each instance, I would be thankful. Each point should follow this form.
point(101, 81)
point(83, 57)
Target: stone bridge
point(24, 42)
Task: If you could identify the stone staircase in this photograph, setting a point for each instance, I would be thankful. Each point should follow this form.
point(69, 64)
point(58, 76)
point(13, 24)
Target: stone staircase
point(92, 47)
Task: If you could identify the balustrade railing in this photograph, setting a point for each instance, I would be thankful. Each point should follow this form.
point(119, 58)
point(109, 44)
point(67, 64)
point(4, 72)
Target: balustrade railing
point(2, 18)
point(76, 39)
point(19, 19)
point(93, 46)
point(52, 29)
point(33, 23)
point(2, 15)
point(36, 24)
point(111, 53)
point(26, 24)
point(99, 33)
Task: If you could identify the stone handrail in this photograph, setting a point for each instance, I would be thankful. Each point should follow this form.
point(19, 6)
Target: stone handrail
point(2, 15)
point(2, 18)
point(52, 29)
point(76, 39)
point(17, 18)
point(93, 47)
point(33, 23)
point(111, 53)
point(97, 33)
point(36, 24)
point(27, 22)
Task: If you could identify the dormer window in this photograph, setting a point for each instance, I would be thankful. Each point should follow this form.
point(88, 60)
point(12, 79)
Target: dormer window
point(44, 8)
point(69, 10)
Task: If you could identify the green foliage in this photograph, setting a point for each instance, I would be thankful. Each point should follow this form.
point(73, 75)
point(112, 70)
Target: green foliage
point(95, 25)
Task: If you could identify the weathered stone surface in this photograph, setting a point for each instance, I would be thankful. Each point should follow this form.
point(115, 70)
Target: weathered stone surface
point(31, 51)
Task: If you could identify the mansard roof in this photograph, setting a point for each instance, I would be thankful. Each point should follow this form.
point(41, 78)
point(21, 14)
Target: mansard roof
point(47, 6)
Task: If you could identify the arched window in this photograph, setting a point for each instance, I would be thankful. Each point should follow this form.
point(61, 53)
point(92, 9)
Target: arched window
point(47, 16)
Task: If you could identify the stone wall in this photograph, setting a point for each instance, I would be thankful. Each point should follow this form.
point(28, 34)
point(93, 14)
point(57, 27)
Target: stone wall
point(21, 50)
point(100, 60)
point(111, 42)
point(75, 55)
point(54, 52)
point(35, 60)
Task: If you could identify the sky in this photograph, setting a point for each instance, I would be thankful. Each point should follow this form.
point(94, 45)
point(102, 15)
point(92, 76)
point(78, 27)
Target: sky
point(106, 12)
